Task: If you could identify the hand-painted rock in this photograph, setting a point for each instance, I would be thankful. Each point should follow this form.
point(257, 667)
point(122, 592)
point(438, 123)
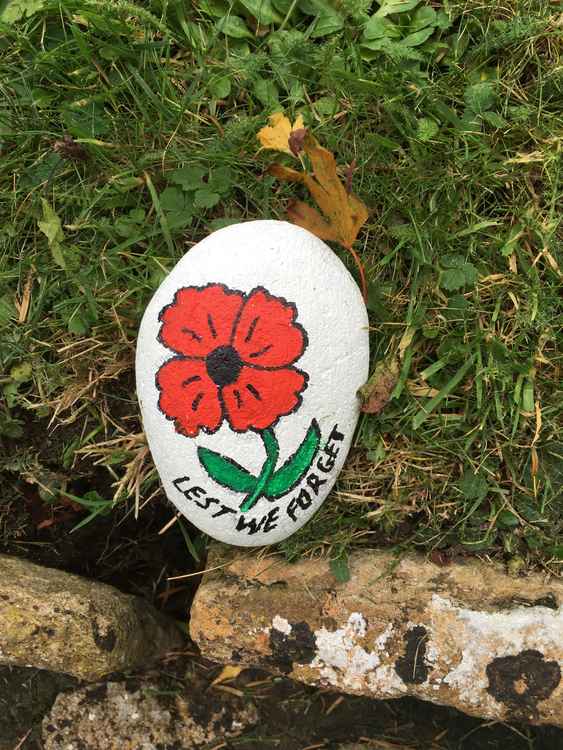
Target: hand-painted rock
point(248, 361)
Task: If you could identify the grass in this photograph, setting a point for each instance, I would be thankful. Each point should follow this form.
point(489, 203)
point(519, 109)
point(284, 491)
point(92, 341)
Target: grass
point(128, 133)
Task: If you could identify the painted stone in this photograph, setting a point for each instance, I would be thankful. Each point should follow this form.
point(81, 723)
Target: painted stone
point(249, 358)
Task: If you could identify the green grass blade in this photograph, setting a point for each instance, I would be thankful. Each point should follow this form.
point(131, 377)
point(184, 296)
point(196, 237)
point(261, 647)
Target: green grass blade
point(427, 410)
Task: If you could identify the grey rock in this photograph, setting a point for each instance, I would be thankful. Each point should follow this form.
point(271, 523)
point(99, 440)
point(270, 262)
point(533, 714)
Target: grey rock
point(61, 622)
point(464, 635)
point(110, 716)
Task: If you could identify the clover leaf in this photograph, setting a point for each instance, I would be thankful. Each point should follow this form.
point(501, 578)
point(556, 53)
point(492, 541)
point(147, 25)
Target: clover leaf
point(457, 272)
point(189, 178)
point(206, 198)
point(177, 206)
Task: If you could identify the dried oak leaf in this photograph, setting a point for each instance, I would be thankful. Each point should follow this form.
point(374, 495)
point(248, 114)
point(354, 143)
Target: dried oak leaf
point(297, 141)
point(277, 134)
point(375, 394)
point(342, 213)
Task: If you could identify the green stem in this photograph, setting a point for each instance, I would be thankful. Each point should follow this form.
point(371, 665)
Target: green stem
point(272, 452)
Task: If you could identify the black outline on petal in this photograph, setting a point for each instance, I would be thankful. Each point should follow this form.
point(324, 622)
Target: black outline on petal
point(177, 423)
point(286, 366)
point(292, 306)
point(297, 406)
point(174, 302)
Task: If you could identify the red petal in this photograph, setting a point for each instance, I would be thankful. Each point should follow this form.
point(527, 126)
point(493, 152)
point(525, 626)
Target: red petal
point(200, 319)
point(189, 396)
point(266, 334)
point(260, 397)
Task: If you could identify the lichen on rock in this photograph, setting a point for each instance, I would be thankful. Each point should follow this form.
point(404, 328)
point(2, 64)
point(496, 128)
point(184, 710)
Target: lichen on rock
point(53, 620)
point(114, 716)
point(467, 636)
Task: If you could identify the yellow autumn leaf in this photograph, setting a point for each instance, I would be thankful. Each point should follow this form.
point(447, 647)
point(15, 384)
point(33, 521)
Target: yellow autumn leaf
point(275, 136)
point(227, 673)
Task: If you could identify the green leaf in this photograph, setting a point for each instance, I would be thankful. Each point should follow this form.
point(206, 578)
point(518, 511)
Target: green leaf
point(418, 38)
point(282, 6)
point(192, 548)
point(215, 8)
point(128, 225)
point(225, 471)
point(137, 215)
point(429, 407)
point(177, 206)
point(233, 26)
point(480, 96)
point(262, 11)
point(452, 279)
point(190, 178)
point(7, 309)
point(387, 7)
point(22, 373)
point(377, 28)
point(327, 105)
point(309, 7)
point(124, 226)
point(10, 426)
point(295, 467)
point(220, 180)
point(206, 198)
point(459, 272)
point(423, 17)
point(457, 308)
point(85, 119)
point(426, 129)
point(172, 199)
point(10, 393)
point(17, 9)
point(328, 22)
point(340, 570)
point(507, 519)
point(511, 242)
point(396, 51)
point(443, 21)
point(473, 486)
point(471, 274)
point(51, 227)
point(220, 87)
point(452, 260)
point(77, 325)
point(216, 224)
point(266, 92)
point(494, 119)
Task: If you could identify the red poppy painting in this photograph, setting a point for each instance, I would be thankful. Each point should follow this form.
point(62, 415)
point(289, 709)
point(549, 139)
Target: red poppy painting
point(235, 362)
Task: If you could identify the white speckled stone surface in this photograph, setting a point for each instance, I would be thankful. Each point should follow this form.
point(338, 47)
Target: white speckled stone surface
point(256, 342)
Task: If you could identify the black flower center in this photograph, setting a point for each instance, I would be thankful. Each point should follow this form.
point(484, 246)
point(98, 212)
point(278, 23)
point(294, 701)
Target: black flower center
point(223, 365)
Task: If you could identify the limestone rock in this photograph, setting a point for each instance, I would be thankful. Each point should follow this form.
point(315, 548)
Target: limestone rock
point(249, 359)
point(465, 635)
point(112, 716)
point(61, 622)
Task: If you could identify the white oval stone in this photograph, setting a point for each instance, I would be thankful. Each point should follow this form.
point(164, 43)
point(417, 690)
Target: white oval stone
point(249, 358)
